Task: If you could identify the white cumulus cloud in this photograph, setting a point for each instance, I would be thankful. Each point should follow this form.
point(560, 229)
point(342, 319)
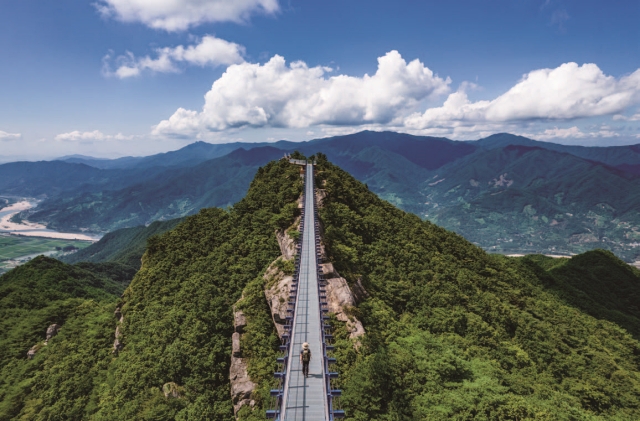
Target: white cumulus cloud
point(9, 136)
point(567, 92)
point(572, 133)
point(209, 51)
point(279, 95)
point(620, 117)
point(179, 15)
point(96, 135)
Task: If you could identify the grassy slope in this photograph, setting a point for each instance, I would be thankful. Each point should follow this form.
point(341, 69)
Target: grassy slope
point(455, 333)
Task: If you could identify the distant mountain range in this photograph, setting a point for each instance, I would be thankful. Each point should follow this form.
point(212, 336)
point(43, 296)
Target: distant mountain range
point(505, 193)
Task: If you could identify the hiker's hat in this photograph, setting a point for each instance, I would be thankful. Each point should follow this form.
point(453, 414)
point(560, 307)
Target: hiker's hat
point(305, 345)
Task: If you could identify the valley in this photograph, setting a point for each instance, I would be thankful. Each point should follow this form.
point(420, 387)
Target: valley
point(508, 194)
point(16, 250)
point(21, 240)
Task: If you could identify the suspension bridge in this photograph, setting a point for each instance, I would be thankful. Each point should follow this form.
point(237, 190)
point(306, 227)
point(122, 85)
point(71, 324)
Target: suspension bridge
point(297, 397)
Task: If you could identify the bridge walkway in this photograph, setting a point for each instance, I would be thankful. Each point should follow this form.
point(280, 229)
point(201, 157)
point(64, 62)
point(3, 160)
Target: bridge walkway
point(304, 398)
point(300, 398)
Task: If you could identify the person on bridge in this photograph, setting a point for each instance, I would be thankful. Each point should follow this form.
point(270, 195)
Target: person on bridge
point(305, 358)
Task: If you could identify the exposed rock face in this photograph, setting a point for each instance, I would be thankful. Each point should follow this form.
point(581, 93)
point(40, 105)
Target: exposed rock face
point(278, 284)
point(52, 331)
point(235, 345)
point(277, 298)
point(241, 385)
point(287, 245)
point(32, 352)
point(340, 300)
point(171, 390)
point(239, 321)
point(118, 314)
point(117, 346)
point(328, 270)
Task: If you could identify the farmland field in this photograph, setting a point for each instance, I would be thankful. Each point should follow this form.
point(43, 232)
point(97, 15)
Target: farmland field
point(15, 247)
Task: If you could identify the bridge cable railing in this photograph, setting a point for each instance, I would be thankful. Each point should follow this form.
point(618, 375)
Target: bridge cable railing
point(277, 394)
point(331, 377)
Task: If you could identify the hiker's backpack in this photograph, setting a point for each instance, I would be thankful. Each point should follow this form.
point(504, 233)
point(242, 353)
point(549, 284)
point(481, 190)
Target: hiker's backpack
point(306, 355)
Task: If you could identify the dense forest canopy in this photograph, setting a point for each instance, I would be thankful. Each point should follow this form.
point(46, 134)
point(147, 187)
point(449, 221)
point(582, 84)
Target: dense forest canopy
point(456, 333)
point(452, 333)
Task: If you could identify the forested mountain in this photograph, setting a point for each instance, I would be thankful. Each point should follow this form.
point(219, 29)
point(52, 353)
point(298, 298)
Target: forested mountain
point(50, 178)
point(611, 155)
point(102, 163)
point(125, 246)
point(527, 199)
point(58, 383)
point(190, 155)
point(455, 333)
point(451, 331)
point(173, 194)
point(596, 282)
point(176, 319)
point(506, 193)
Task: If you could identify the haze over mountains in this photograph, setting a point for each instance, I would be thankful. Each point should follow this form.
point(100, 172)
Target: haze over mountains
point(506, 193)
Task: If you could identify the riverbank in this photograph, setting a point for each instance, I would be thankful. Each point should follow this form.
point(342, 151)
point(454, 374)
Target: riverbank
point(32, 229)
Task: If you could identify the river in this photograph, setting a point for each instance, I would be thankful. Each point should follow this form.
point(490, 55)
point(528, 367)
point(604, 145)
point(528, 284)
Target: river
point(31, 229)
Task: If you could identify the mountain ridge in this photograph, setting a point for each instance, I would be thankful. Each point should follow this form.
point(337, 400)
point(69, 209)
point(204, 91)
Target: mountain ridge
point(451, 331)
point(401, 168)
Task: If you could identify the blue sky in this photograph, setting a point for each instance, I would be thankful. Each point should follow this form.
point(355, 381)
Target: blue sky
point(134, 77)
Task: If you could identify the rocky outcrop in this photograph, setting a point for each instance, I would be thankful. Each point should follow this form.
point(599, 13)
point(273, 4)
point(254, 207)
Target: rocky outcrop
point(239, 321)
point(235, 345)
point(52, 331)
point(277, 296)
point(32, 352)
point(277, 283)
point(287, 245)
point(328, 270)
point(341, 302)
point(320, 195)
point(171, 390)
point(117, 344)
point(241, 385)
point(359, 293)
point(118, 314)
